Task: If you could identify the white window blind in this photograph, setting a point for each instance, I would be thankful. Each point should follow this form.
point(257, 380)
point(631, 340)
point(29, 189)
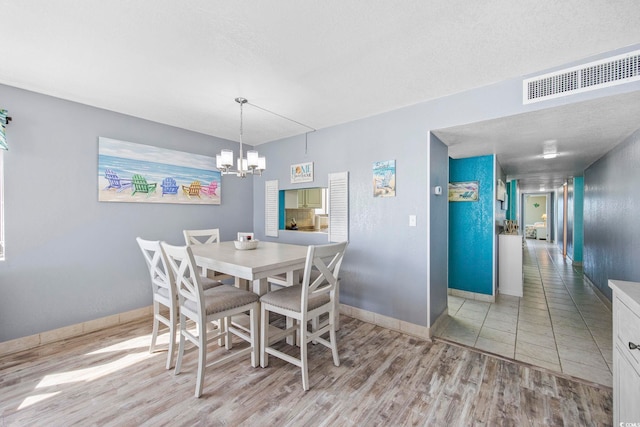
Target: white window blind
point(271, 208)
point(339, 207)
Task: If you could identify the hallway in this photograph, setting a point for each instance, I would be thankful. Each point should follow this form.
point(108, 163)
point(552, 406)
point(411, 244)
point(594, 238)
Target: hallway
point(559, 324)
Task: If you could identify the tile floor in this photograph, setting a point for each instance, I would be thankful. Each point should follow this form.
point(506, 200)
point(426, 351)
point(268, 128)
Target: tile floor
point(559, 324)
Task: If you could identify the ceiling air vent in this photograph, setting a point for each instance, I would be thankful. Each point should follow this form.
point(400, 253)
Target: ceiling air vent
point(594, 75)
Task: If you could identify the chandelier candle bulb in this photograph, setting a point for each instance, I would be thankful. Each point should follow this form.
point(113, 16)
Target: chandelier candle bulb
point(252, 159)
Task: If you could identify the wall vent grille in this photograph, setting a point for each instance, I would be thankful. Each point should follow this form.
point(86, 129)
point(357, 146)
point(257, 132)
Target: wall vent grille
point(594, 75)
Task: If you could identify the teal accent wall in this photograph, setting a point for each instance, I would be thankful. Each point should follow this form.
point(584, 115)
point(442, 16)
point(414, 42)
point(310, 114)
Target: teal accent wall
point(578, 214)
point(512, 196)
point(471, 228)
point(282, 212)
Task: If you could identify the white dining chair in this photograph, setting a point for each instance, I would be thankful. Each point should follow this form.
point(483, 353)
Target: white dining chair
point(213, 306)
point(163, 289)
point(304, 303)
point(203, 237)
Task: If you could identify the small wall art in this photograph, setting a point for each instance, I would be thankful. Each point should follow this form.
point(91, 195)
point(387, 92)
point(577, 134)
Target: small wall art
point(384, 178)
point(463, 191)
point(130, 172)
point(302, 172)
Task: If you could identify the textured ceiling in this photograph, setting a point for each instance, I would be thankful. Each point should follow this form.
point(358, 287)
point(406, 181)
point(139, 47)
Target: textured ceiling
point(320, 63)
point(582, 133)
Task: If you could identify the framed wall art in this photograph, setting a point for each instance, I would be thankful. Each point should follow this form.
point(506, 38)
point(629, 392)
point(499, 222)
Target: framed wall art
point(384, 178)
point(302, 172)
point(463, 191)
point(130, 172)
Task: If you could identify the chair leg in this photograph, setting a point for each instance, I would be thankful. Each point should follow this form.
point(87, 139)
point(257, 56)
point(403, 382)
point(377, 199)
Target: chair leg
point(264, 339)
point(154, 334)
point(183, 327)
point(202, 359)
point(228, 343)
point(172, 337)
point(303, 360)
point(253, 317)
point(334, 346)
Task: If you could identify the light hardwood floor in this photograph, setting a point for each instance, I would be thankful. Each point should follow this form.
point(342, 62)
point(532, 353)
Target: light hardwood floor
point(385, 378)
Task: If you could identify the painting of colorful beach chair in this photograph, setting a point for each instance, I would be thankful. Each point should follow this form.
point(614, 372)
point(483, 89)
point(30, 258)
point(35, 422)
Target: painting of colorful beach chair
point(162, 176)
point(169, 186)
point(140, 185)
point(192, 190)
point(115, 182)
point(210, 190)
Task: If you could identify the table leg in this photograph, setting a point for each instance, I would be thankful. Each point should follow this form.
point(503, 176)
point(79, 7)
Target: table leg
point(260, 286)
point(241, 283)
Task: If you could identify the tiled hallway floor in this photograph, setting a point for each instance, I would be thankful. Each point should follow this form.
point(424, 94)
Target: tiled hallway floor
point(559, 324)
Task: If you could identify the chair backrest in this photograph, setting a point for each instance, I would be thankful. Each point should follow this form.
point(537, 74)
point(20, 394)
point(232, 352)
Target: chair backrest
point(161, 276)
point(169, 186)
point(189, 288)
point(321, 270)
point(200, 237)
point(245, 235)
point(194, 188)
point(140, 183)
point(112, 177)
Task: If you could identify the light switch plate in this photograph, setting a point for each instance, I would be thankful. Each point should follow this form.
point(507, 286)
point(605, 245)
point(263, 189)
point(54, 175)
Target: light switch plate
point(412, 220)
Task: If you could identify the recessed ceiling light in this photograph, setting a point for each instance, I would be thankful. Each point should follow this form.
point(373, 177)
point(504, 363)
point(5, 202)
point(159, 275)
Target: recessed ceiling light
point(550, 155)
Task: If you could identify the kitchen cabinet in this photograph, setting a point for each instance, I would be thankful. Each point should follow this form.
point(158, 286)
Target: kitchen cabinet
point(310, 198)
point(626, 351)
point(291, 199)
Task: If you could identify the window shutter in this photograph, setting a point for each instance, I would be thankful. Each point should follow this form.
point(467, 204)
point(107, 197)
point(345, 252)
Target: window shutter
point(271, 208)
point(339, 207)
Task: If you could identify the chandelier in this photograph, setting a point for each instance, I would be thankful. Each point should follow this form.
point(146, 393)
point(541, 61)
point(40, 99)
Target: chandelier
point(252, 164)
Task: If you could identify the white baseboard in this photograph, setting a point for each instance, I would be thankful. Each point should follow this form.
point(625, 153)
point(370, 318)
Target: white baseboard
point(71, 331)
point(471, 295)
point(32, 341)
point(418, 331)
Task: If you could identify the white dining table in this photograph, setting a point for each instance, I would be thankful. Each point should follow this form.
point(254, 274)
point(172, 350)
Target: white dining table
point(253, 265)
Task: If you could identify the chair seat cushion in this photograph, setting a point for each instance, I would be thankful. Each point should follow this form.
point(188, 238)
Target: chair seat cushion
point(222, 298)
point(208, 283)
point(289, 299)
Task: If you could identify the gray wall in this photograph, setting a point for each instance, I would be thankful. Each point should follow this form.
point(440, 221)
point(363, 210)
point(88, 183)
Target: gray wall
point(385, 269)
point(611, 227)
point(438, 227)
point(70, 258)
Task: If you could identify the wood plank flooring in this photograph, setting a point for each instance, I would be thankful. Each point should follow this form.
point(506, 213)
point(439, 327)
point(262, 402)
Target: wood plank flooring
point(108, 378)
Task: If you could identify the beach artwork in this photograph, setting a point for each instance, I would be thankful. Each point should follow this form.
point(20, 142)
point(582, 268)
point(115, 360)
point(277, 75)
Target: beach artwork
point(463, 191)
point(130, 172)
point(384, 178)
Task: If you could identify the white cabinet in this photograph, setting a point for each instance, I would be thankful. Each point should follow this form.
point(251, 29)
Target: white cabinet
point(510, 264)
point(291, 199)
point(310, 198)
point(626, 351)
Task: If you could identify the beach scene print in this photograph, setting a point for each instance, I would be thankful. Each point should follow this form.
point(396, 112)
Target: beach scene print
point(463, 191)
point(130, 172)
point(384, 178)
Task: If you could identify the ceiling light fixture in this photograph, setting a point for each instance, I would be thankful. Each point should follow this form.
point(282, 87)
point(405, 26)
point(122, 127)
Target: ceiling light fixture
point(253, 164)
point(550, 149)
